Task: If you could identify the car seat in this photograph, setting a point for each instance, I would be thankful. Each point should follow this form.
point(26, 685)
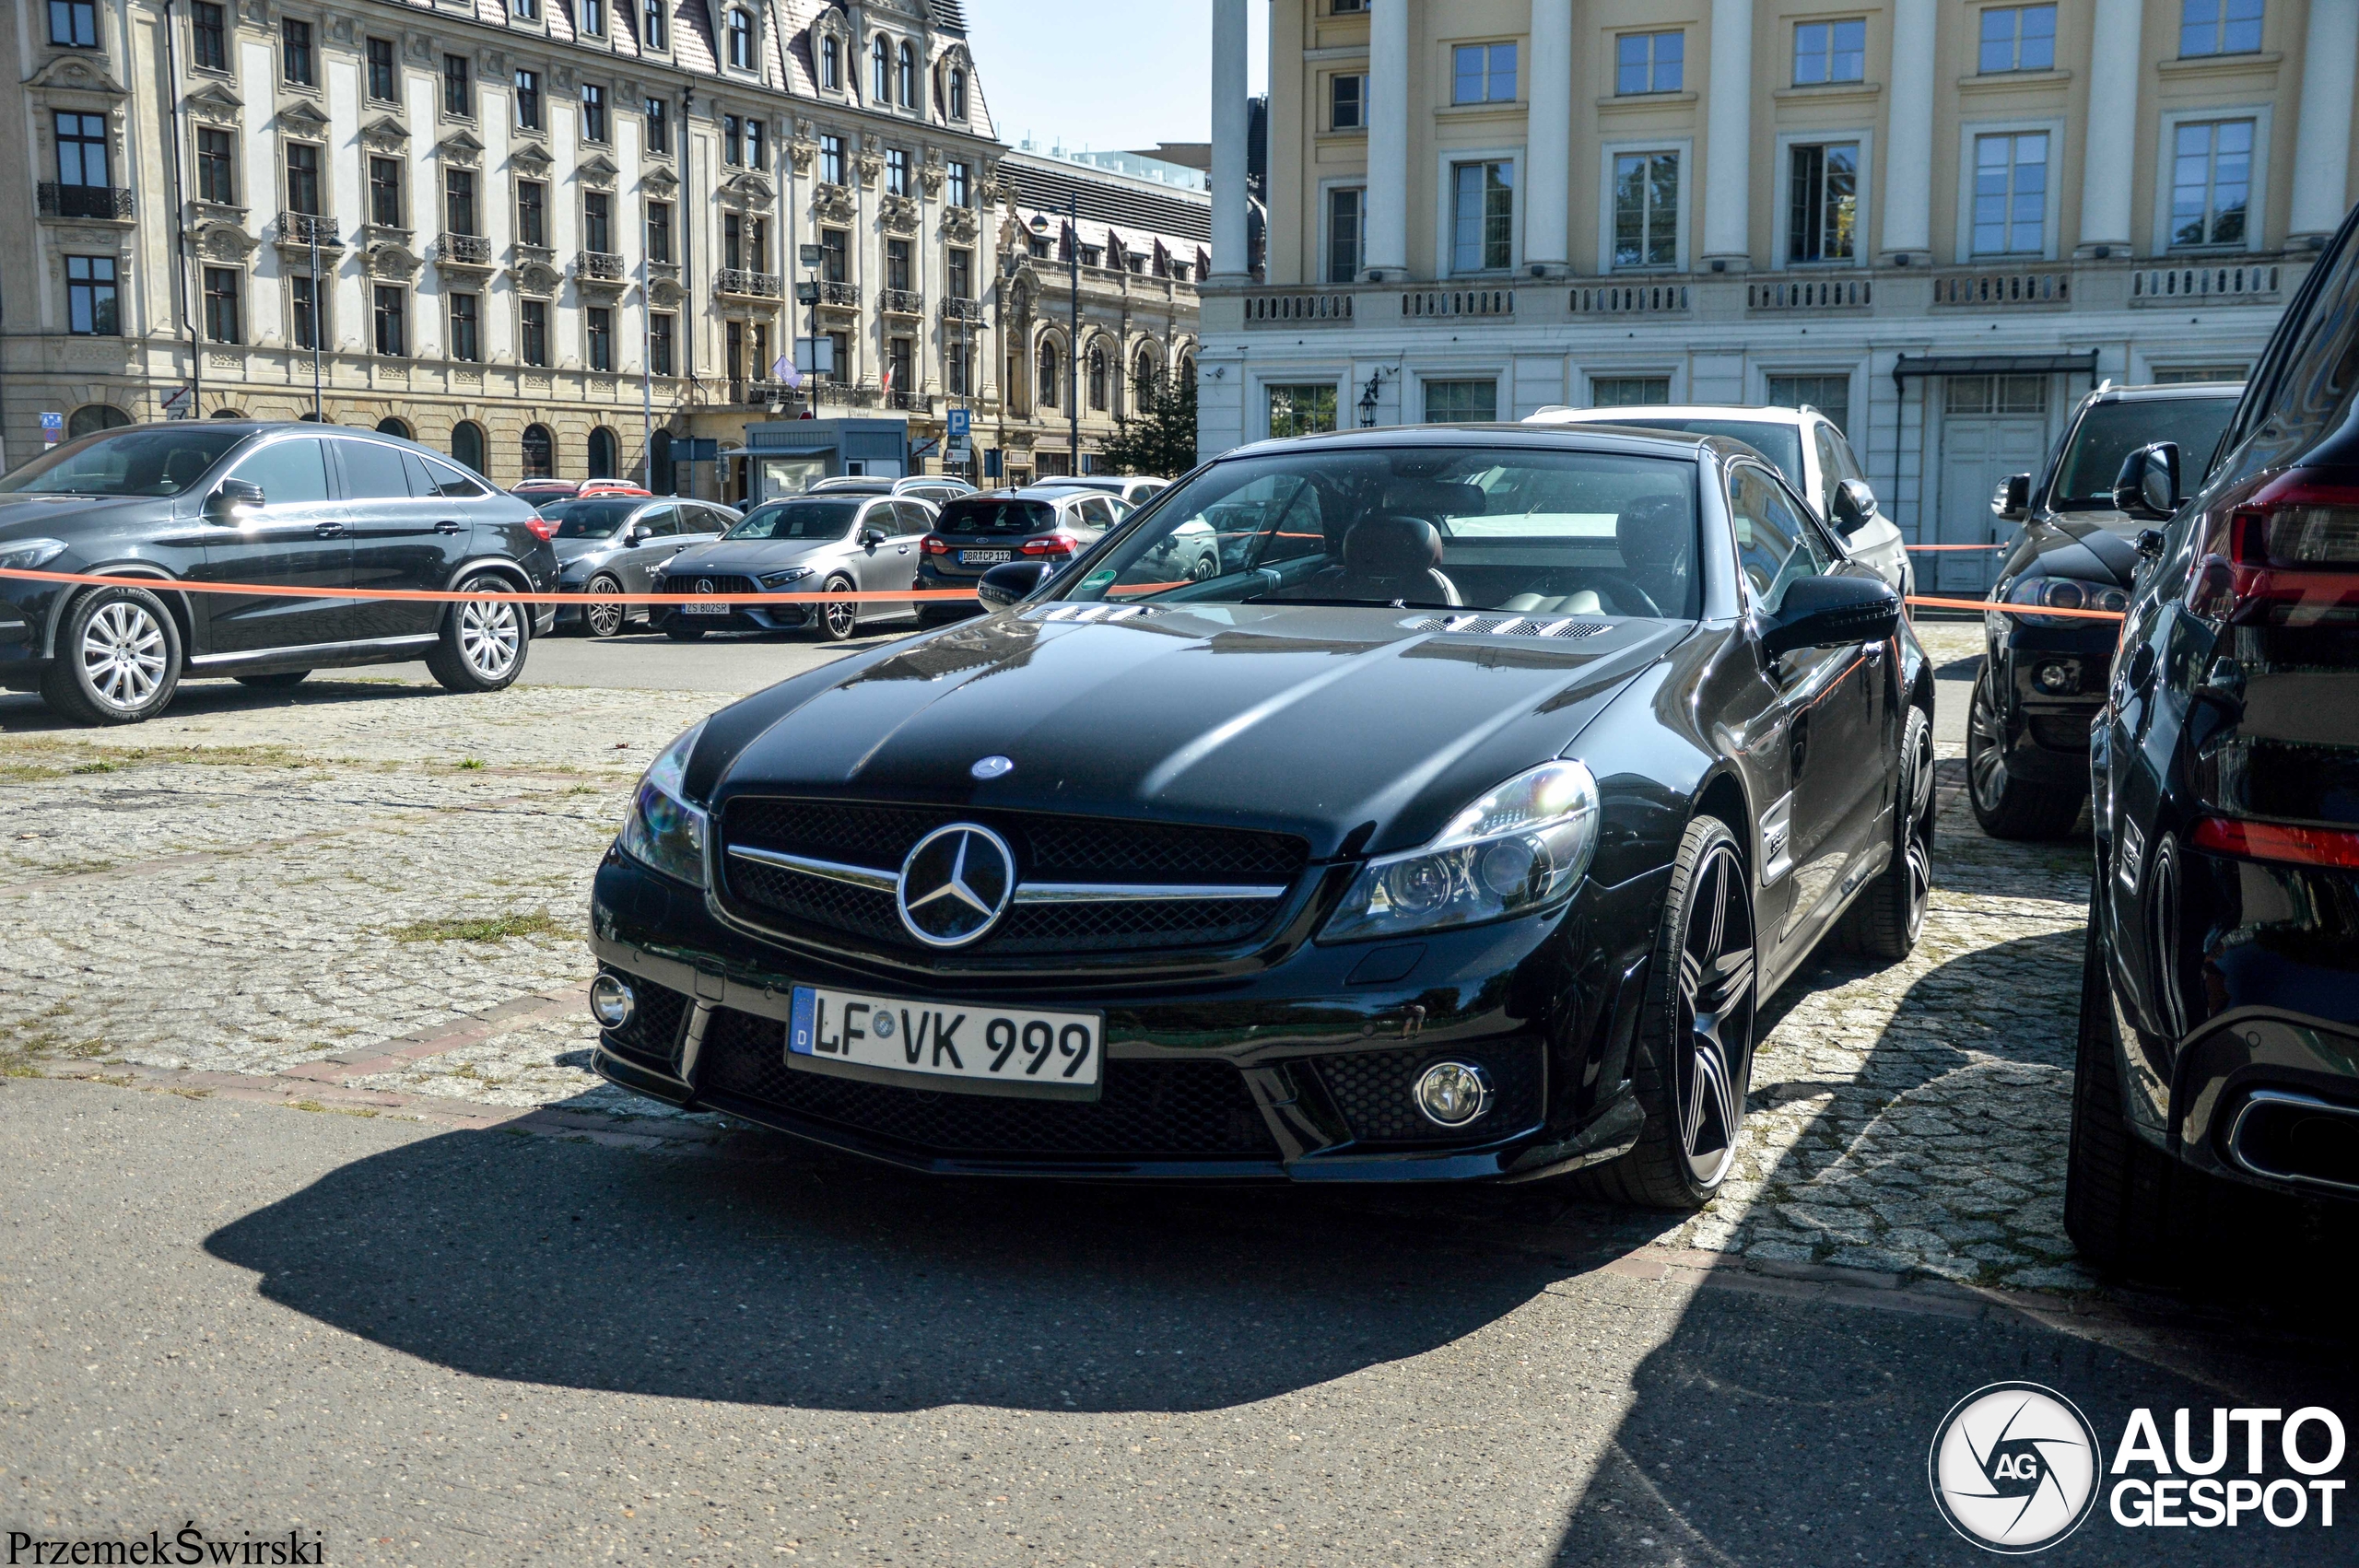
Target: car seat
point(1388, 558)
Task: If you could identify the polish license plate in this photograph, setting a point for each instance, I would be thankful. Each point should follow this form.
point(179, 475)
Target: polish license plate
point(984, 558)
point(703, 609)
point(999, 1045)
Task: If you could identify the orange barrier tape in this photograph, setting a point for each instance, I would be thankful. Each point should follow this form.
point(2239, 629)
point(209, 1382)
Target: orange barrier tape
point(1990, 605)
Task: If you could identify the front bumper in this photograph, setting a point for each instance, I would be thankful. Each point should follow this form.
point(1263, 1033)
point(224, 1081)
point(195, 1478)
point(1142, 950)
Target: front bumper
point(2051, 682)
point(1288, 1074)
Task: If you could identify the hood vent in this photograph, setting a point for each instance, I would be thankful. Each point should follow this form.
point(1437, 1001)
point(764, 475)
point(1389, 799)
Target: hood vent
point(1507, 625)
point(1093, 613)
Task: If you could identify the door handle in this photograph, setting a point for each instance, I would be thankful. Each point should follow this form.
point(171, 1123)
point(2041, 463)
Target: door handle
point(448, 525)
point(328, 530)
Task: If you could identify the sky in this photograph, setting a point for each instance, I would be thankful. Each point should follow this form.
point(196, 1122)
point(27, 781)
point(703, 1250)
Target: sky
point(1102, 74)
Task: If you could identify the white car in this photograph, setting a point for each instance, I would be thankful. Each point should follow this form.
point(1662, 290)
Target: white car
point(1804, 445)
point(1132, 489)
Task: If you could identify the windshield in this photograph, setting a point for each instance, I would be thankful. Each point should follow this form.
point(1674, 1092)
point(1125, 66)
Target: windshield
point(1781, 444)
point(1525, 530)
point(589, 519)
point(2109, 432)
point(137, 462)
point(972, 514)
point(797, 519)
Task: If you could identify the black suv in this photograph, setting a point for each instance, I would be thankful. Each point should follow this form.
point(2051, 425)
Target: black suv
point(2219, 1044)
point(275, 505)
point(2043, 675)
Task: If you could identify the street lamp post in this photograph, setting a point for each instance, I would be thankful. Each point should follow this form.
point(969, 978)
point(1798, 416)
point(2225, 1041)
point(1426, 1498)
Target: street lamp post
point(311, 228)
point(1072, 341)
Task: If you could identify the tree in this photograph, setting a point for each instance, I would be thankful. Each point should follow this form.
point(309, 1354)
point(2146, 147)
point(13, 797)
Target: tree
point(1160, 436)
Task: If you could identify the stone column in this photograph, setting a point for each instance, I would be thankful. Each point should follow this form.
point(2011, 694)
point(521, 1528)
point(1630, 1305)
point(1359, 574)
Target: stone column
point(1549, 141)
point(2109, 140)
point(1728, 139)
point(2323, 145)
point(1230, 262)
point(1908, 135)
point(1387, 247)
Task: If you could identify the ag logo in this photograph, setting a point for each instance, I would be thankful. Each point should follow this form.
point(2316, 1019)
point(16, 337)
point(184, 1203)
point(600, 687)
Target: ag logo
point(2014, 1468)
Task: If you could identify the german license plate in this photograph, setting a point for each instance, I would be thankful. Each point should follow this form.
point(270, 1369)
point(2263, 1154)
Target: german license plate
point(984, 558)
point(703, 609)
point(1001, 1045)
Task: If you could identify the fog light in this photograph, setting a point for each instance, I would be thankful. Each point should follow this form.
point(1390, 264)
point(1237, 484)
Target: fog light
point(1453, 1093)
point(2059, 676)
point(611, 1002)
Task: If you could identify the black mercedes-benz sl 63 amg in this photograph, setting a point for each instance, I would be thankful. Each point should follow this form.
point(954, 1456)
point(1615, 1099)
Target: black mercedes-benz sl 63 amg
point(1455, 827)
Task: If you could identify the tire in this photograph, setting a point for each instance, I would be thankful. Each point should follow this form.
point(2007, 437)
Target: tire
point(679, 633)
point(837, 622)
point(1690, 1081)
point(2006, 806)
point(484, 642)
point(287, 680)
point(118, 659)
point(604, 620)
point(1890, 912)
point(1206, 568)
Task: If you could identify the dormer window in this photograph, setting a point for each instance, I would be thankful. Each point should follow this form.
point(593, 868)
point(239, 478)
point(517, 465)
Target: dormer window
point(957, 95)
point(741, 40)
point(591, 17)
point(832, 64)
point(653, 12)
point(881, 71)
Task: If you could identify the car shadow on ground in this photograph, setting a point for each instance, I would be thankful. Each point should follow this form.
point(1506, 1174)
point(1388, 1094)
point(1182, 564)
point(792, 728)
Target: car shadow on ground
point(24, 713)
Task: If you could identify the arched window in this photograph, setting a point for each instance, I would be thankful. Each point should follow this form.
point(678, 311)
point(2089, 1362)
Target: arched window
point(602, 454)
point(93, 417)
point(540, 453)
point(957, 95)
point(1148, 373)
point(392, 426)
point(832, 64)
point(467, 444)
point(229, 413)
point(1052, 375)
point(908, 77)
point(881, 63)
point(740, 39)
point(659, 464)
point(1187, 370)
point(1097, 378)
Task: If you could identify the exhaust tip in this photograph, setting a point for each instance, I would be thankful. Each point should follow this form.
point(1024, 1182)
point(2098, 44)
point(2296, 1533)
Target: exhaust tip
point(2297, 1137)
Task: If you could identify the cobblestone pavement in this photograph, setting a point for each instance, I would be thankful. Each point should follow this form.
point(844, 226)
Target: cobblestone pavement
point(370, 900)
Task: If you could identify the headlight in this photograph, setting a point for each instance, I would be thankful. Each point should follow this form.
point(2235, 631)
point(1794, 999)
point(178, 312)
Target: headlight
point(29, 555)
point(779, 579)
point(663, 832)
point(2066, 593)
point(1519, 848)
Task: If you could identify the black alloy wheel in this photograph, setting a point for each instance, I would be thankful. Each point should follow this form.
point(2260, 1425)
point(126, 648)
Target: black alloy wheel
point(1207, 566)
point(602, 615)
point(1890, 913)
point(1695, 1054)
point(838, 618)
point(2006, 805)
point(118, 658)
point(285, 680)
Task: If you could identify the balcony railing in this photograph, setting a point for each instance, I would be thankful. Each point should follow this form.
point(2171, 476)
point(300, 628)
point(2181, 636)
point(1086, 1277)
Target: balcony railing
point(900, 301)
point(1988, 290)
point(846, 295)
point(758, 391)
point(1307, 306)
point(2239, 283)
point(742, 280)
point(83, 200)
point(957, 310)
point(598, 266)
point(1811, 294)
point(910, 402)
point(1659, 297)
point(462, 250)
point(1458, 302)
point(307, 230)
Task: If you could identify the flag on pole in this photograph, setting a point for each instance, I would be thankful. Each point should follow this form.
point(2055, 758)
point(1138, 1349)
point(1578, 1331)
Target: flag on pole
point(783, 371)
point(888, 377)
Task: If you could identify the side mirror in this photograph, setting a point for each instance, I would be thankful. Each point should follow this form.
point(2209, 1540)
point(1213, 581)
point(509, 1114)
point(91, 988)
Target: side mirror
point(1828, 612)
point(636, 537)
point(2147, 487)
point(872, 538)
point(1854, 504)
point(230, 500)
point(2012, 503)
point(1004, 585)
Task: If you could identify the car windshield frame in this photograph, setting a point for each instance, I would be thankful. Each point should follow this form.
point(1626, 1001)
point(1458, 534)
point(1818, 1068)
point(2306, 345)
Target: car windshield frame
point(845, 508)
point(1044, 515)
point(1761, 435)
point(2109, 431)
point(575, 519)
point(76, 468)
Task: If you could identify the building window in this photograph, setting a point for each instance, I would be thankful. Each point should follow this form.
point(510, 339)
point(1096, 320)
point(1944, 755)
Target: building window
point(2211, 182)
point(653, 23)
point(539, 451)
point(957, 95)
point(593, 112)
point(597, 222)
point(756, 148)
point(459, 201)
point(1996, 394)
point(839, 355)
point(1097, 378)
point(901, 354)
point(896, 172)
point(467, 326)
point(208, 25)
point(528, 100)
point(835, 245)
point(954, 361)
point(1347, 102)
point(909, 74)
point(733, 240)
point(1305, 410)
point(385, 191)
point(2010, 195)
point(590, 20)
point(456, 99)
point(1347, 214)
point(1483, 73)
point(659, 343)
point(1649, 62)
point(1481, 216)
point(1645, 209)
point(81, 149)
point(831, 161)
point(659, 127)
point(216, 167)
point(1052, 375)
point(832, 64)
point(659, 231)
point(90, 297)
point(602, 454)
point(2017, 38)
point(740, 39)
point(525, 10)
point(295, 52)
point(732, 140)
point(1830, 51)
point(383, 85)
point(1628, 392)
point(958, 184)
point(958, 268)
point(1823, 217)
point(897, 264)
point(1347, 8)
point(221, 304)
point(467, 444)
point(598, 323)
point(880, 71)
point(1455, 403)
point(533, 212)
point(2199, 373)
point(390, 315)
point(302, 178)
point(304, 313)
point(2219, 27)
point(1830, 394)
point(534, 346)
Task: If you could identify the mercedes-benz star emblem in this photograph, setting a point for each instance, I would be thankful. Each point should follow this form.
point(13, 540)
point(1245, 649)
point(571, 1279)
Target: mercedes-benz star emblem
point(993, 767)
point(704, 585)
point(955, 884)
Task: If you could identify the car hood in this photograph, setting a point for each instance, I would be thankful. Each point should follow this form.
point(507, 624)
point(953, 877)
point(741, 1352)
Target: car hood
point(2093, 546)
point(61, 517)
point(747, 557)
point(1339, 724)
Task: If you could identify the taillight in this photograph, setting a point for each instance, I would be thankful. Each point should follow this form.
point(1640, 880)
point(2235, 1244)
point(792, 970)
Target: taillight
point(542, 528)
point(935, 544)
point(1052, 545)
point(2278, 841)
point(2288, 553)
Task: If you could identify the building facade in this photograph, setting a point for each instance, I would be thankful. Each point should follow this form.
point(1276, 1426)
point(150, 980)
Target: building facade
point(1939, 221)
point(548, 236)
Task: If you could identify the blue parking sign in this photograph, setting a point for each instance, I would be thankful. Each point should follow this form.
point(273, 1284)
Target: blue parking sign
point(960, 421)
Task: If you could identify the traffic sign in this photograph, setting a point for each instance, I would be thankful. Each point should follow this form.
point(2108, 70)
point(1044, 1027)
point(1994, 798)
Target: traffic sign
point(960, 422)
point(178, 405)
point(52, 428)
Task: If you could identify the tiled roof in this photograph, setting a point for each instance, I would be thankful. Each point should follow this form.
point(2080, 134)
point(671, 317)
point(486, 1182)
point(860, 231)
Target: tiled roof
point(1140, 214)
